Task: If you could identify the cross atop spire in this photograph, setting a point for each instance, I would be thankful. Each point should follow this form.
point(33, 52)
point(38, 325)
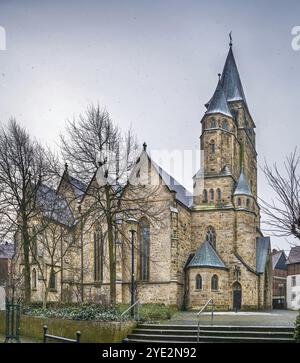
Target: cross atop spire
point(230, 39)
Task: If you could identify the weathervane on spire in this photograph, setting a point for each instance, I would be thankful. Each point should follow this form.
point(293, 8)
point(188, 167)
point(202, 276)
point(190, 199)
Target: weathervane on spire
point(230, 37)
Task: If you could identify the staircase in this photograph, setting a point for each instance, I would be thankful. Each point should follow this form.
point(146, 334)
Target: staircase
point(163, 333)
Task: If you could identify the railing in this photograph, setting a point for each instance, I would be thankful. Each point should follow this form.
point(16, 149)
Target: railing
point(136, 316)
point(60, 339)
point(209, 302)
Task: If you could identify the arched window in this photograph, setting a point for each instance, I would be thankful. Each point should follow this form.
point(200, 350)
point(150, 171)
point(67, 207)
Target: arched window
point(144, 249)
point(98, 255)
point(205, 196)
point(215, 283)
point(248, 202)
point(239, 202)
point(198, 282)
point(52, 280)
point(212, 146)
point(34, 243)
point(213, 123)
point(211, 194)
point(33, 278)
point(219, 194)
point(211, 236)
point(224, 124)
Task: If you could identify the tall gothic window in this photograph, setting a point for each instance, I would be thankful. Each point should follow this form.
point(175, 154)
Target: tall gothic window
point(239, 201)
point(211, 236)
point(52, 280)
point(205, 196)
point(213, 123)
point(198, 282)
point(219, 194)
point(33, 278)
point(212, 194)
point(248, 203)
point(215, 282)
point(98, 256)
point(144, 249)
point(212, 146)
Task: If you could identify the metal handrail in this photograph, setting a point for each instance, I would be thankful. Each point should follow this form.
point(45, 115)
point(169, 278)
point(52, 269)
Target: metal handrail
point(131, 307)
point(210, 301)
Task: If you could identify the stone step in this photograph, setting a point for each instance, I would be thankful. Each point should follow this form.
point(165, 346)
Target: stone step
point(193, 332)
point(193, 339)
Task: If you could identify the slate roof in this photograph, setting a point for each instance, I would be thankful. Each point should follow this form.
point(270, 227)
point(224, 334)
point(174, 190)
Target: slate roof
point(242, 187)
point(78, 186)
point(53, 206)
point(279, 260)
point(206, 256)
point(230, 80)
point(262, 252)
point(218, 103)
point(182, 194)
point(7, 250)
point(230, 83)
point(294, 255)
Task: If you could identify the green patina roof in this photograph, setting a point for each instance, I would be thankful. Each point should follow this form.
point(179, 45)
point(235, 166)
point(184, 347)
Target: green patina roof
point(206, 256)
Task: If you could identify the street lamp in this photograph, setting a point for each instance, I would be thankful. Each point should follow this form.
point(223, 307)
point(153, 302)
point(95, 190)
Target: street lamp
point(133, 229)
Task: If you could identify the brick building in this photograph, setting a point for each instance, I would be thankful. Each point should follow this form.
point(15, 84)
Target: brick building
point(280, 271)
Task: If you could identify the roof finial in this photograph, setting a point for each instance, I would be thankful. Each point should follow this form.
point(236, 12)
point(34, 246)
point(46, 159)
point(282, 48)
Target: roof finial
point(66, 166)
point(230, 38)
point(144, 146)
point(219, 75)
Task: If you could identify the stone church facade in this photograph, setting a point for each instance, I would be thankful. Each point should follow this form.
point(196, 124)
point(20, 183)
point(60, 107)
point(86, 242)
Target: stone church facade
point(208, 244)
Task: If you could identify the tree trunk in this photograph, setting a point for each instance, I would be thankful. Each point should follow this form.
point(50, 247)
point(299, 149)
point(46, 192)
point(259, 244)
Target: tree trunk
point(26, 249)
point(111, 249)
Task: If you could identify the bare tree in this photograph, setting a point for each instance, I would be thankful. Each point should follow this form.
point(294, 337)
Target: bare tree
point(283, 212)
point(98, 151)
point(23, 167)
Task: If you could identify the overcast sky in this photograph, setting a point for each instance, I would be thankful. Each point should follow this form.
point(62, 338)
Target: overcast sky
point(153, 64)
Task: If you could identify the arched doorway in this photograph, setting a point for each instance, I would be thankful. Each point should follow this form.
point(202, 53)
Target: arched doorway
point(237, 296)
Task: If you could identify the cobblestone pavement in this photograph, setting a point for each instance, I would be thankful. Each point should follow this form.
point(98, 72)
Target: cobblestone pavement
point(262, 318)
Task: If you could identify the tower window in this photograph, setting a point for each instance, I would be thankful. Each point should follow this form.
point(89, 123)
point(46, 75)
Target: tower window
point(211, 236)
point(215, 283)
point(219, 194)
point(212, 146)
point(205, 196)
point(212, 194)
point(248, 203)
point(224, 124)
point(213, 123)
point(239, 202)
point(198, 282)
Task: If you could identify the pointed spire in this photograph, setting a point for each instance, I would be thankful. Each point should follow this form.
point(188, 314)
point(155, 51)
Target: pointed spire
point(230, 79)
point(242, 187)
point(218, 103)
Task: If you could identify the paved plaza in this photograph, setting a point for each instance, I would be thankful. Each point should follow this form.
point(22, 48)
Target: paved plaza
point(245, 318)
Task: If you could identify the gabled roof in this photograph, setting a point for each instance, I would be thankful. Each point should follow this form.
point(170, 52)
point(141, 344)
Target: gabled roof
point(294, 255)
point(182, 194)
point(242, 187)
point(230, 80)
point(262, 252)
point(7, 250)
point(218, 103)
point(225, 171)
point(279, 260)
point(206, 256)
point(53, 206)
